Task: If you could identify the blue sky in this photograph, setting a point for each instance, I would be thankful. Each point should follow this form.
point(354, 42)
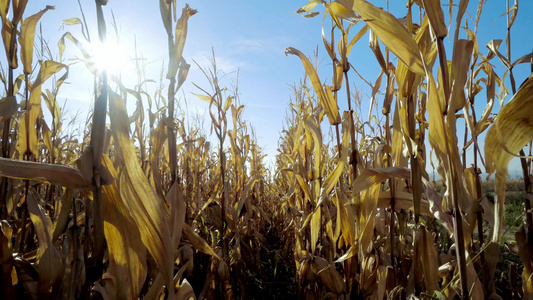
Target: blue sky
point(251, 36)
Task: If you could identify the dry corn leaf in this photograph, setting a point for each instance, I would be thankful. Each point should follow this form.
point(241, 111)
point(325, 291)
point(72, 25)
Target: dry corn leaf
point(325, 98)
point(308, 7)
point(166, 15)
point(316, 146)
point(19, 6)
point(127, 253)
point(391, 33)
point(355, 39)
point(436, 17)
point(334, 176)
point(493, 46)
point(88, 60)
point(197, 242)
point(7, 35)
point(26, 38)
point(462, 53)
point(142, 203)
point(339, 12)
point(483, 122)
point(62, 213)
point(245, 195)
point(178, 209)
point(55, 174)
point(436, 132)
point(185, 291)
point(369, 177)
point(511, 131)
point(48, 258)
point(328, 275)
point(383, 272)
point(427, 254)
point(526, 253)
point(34, 110)
point(315, 228)
point(181, 37)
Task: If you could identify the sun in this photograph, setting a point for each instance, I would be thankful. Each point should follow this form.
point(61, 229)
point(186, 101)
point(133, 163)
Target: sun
point(111, 57)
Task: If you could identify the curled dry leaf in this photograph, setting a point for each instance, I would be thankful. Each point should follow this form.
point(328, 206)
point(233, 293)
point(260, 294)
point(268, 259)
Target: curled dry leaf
point(325, 98)
point(511, 131)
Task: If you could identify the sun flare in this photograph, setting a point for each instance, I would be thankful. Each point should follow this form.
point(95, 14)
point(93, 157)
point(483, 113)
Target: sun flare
point(111, 57)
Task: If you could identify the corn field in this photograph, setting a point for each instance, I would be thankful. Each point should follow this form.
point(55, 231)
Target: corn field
point(148, 206)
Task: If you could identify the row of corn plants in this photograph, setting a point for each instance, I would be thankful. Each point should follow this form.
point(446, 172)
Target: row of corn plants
point(368, 219)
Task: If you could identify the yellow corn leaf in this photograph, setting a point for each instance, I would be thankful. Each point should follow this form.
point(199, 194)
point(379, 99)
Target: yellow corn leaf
point(352, 251)
point(315, 133)
point(53, 107)
point(26, 38)
point(326, 99)
point(197, 242)
point(391, 32)
point(166, 15)
point(436, 132)
point(72, 21)
point(185, 291)
point(182, 73)
point(308, 7)
point(4, 8)
point(143, 205)
point(512, 130)
point(406, 84)
point(62, 213)
point(88, 60)
point(181, 37)
point(127, 254)
point(526, 253)
point(48, 258)
point(315, 228)
point(339, 76)
point(334, 176)
point(207, 99)
point(369, 201)
point(483, 122)
point(435, 206)
point(374, 46)
point(178, 208)
point(339, 11)
point(369, 177)
point(436, 17)
point(398, 158)
point(426, 253)
point(34, 110)
point(245, 195)
point(463, 4)
point(329, 275)
point(7, 35)
point(460, 66)
point(47, 138)
point(355, 39)
point(493, 46)
point(523, 59)
point(303, 186)
point(55, 174)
